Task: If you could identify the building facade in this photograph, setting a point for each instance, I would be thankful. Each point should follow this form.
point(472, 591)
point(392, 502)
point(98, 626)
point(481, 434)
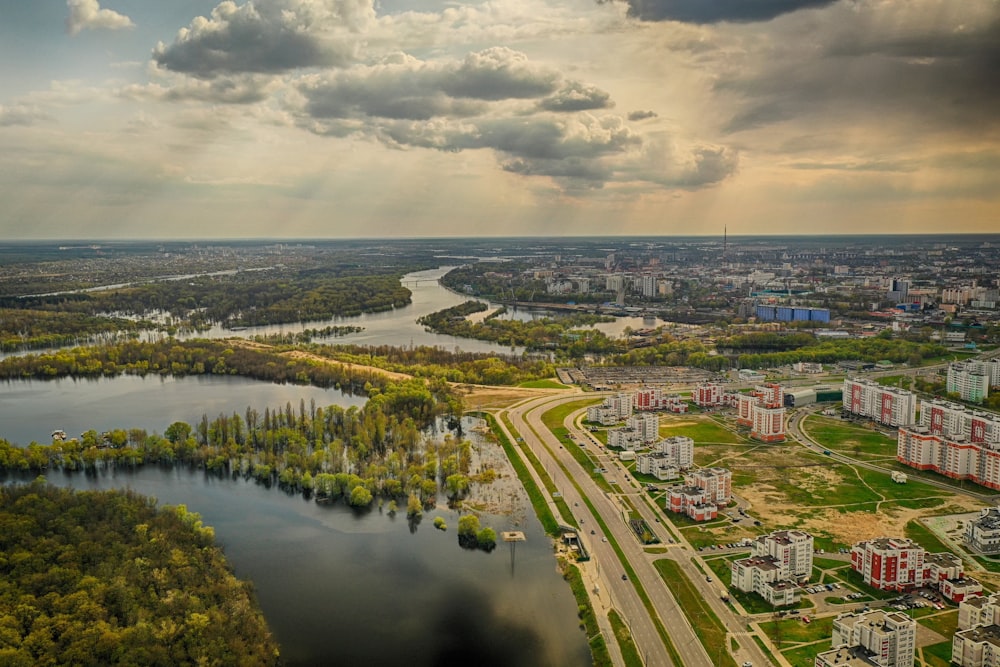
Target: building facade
point(792, 548)
point(971, 381)
point(889, 563)
point(886, 639)
point(983, 533)
point(886, 405)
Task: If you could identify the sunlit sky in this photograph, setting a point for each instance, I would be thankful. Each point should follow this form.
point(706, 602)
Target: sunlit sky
point(354, 118)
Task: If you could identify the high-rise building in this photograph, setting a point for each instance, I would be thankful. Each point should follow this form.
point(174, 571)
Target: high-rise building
point(763, 411)
point(792, 548)
point(886, 405)
point(889, 563)
point(971, 381)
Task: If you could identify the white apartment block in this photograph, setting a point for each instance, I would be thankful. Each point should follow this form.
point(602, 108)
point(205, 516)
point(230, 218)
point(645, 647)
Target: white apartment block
point(646, 426)
point(765, 576)
point(624, 438)
point(680, 450)
point(614, 409)
point(970, 381)
point(877, 637)
point(886, 405)
point(979, 610)
point(976, 647)
point(792, 548)
point(659, 465)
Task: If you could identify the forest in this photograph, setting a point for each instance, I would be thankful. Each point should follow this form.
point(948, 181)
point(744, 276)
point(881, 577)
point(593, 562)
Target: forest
point(103, 578)
point(242, 299)
point(571, 336)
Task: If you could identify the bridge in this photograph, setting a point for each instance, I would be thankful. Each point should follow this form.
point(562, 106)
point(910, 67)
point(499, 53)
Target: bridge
point(418, 281)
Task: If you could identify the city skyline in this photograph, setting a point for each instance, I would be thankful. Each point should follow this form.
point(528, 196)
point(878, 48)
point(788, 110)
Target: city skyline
point(360, 119)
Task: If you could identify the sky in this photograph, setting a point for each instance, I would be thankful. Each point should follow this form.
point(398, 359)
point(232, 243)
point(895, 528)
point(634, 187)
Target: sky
point(429, 118)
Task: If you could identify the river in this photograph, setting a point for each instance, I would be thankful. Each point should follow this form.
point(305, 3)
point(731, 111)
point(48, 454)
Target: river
point(337, 586)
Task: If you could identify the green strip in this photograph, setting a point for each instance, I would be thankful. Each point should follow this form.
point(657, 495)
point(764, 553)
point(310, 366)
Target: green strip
point(625, 642)
point(567, 514)
point(588, 620)
point(706, 624)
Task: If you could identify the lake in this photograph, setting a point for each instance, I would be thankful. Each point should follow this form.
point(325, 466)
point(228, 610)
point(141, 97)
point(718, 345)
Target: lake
point(337, 586)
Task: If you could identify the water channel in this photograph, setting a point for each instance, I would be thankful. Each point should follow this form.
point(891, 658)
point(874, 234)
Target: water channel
point(337, 586)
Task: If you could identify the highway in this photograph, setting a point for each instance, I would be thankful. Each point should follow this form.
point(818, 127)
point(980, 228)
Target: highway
point(605, 565)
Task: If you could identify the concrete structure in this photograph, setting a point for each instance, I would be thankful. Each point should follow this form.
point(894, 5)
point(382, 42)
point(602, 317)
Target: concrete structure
point(764, 412)
point(764, 576)
point(976, 647)
point(648, 398)
point(971, 381)
point(978, 610)
point(983, 533)
point(891, 564)
point(659, 465)
point(692, 502)
point(792, 548)
point(614, 409)
point(717, 483)
point(877, 637)
point(951, 419)
point(960, 590)
point(886, 405)
point(709, 395)
point(807, 367)
point(679, 449)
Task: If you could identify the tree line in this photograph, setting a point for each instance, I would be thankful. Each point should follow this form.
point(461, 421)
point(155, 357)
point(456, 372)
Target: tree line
point(105, 577)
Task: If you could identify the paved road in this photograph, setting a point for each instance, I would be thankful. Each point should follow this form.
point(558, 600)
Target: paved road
point(527, 420)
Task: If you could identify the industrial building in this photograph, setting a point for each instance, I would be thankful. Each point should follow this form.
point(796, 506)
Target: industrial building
point(768, 313)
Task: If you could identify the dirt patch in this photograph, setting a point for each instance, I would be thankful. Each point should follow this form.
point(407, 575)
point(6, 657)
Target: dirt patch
point(481, 397)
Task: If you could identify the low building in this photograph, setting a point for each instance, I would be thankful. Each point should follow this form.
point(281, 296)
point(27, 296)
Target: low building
point(659, 465)
point(960, 590)
point(765, 576)
point(983, 533)
point(886, 639)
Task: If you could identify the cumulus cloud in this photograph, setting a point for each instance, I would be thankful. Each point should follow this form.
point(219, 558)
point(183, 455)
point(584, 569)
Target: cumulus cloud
point(269, 36)
point(88, 15)
point(575, 96)
point(716, 11)
point(244, 89)
point(403, 87)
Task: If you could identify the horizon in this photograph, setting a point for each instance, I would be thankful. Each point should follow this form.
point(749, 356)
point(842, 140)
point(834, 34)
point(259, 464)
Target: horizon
point(549, 118)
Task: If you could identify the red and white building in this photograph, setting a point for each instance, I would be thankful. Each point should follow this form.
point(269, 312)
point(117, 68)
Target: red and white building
point(889, 563)
point(653, 398)
point(704, 491)
point(763, 411)
point(953, 441)
point(711, 395)
point(886, 405)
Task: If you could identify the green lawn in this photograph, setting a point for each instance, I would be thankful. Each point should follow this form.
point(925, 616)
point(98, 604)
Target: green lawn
point(553, 420)
point(698, 428)
point(849, 439)
point(938, 655)
point(629, 651)
point(805, 656)
point(921, 535)
point(944, 623)
point(790, 631)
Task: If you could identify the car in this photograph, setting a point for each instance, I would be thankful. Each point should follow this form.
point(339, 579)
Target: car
point(592, 533)
point(708, 579)
point(806, 619)
point(624, 577)
point(747, 664)
point(604, 539)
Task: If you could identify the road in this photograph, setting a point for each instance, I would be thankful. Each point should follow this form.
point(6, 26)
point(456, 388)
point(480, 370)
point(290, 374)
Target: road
point(527, 419)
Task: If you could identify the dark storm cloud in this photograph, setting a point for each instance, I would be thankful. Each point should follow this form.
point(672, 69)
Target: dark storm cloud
point(576, 96)
point(641, 115)
point(270, 36)
point(876, 64)
point(717, 11)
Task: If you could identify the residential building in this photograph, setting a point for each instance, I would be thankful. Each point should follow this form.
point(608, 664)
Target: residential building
point(614, 409)
point(953, 441)
point(648, 398)
point(792, 548)
point(717, 483)
point(886, 405)
point(765, 576)
point(876, 637)
point(693, 502)
point(979, 610)
point(971, 381)
point(659, 465)
point(889, 563)
point(951, 419)
point(976, 647)
point(763, 410)
point(679, 449)
point(646, 427)
point(983, 532)
point(710, 395)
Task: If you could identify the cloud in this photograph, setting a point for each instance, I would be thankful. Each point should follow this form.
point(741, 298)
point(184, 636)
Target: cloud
point(575, 96)
point(717, 11)
point(641, 115)
point(88, 15)
point(242, 89)
point(928, 65)
point(271, 36)
point(404, 87)
point(20, 114)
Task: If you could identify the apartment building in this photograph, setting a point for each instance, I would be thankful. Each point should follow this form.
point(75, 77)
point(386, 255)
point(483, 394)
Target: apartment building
point(971, 381)
point(765, 576)
point(710, 395)
point(952, 419)
point(983, 532)
point(717, 483)
point(614, 409)
point(886, 405)
point(704, 491)
point(679, 448)
point(764, 412)
point(792, 548)
point(889, 563)
point(659, 465)
point(976, 647)
point(877, 637)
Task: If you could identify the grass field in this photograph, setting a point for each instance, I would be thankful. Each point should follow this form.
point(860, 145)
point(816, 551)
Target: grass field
point(849, 439)
point(629, 651)
point(937, 655)
point(699, 428)
point(790, 632)
point(543, 384)
point(943, 623)
point(553, 420)
point(925, 538)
